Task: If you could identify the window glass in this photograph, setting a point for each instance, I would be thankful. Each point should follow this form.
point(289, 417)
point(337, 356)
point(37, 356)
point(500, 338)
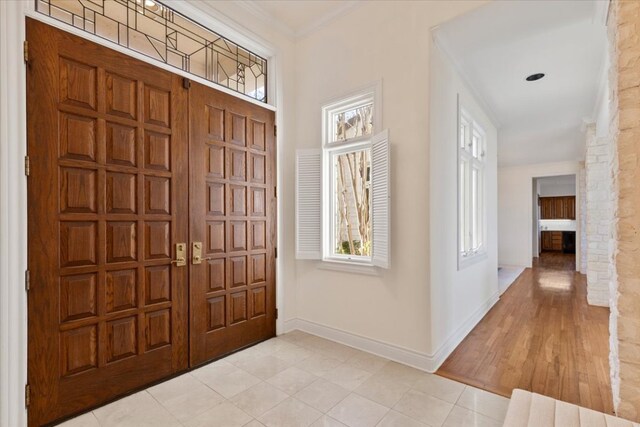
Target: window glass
point(464, 134)
point(159, 32)
point(475, 238)
point(353, 123)
point(475, 142)
point(463, 204)
point(471, 156)
point(352, 213)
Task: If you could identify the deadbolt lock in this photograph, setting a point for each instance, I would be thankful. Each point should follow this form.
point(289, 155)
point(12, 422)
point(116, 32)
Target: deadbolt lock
point(181, 255)
point(196, 253)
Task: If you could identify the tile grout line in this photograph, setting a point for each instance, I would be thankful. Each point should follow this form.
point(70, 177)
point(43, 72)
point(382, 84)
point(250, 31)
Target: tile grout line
point(279, 347)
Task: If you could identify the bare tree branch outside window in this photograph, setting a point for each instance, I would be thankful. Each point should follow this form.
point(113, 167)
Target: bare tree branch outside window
point(353, 224)
point(354, 123)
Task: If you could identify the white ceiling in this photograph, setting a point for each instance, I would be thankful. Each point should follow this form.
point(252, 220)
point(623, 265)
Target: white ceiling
point(298, 18)
point(497, 46)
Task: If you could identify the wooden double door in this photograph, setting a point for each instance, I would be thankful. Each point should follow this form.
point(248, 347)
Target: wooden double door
point(151, 224)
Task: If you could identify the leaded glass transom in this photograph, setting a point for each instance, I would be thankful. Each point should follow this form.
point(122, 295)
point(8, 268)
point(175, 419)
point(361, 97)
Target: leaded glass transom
point(155, 30)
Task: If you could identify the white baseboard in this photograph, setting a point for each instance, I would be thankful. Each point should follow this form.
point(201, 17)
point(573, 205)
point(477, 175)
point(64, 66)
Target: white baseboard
point(462, 331)
point(598, 300)
point(393, 352)
point(508, 277)
point(423, 361)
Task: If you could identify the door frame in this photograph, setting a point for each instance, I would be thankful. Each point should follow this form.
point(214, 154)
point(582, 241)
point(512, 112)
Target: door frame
point(13, 183)
point(572, 170)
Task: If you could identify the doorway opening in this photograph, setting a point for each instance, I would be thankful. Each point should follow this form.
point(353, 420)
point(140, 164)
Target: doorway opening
point(555, 222)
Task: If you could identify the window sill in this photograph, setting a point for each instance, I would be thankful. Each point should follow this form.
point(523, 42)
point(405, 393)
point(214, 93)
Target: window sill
point(464, 262)
point(349, 267)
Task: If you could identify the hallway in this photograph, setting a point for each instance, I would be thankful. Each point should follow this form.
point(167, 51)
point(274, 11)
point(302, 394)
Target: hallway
point(542, 337)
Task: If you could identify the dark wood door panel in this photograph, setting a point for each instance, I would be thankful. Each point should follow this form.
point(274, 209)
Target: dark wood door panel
point(107, 139)
point(233, 214)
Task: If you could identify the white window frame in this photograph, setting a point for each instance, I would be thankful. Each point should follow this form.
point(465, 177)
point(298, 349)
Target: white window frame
point(472, 224)
point(330, 244)
point(330, 149)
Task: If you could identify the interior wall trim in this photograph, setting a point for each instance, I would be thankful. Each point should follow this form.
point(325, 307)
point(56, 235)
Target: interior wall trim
point(450, 344)
point(13, 216)
point(419, 360)
point(393, 352)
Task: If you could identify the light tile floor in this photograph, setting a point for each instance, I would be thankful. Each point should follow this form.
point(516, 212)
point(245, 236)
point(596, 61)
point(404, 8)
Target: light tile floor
point(301, 380)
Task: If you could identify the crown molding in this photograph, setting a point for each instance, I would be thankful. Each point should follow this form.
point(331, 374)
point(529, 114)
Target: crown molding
point(260, 12)
point(254, 7)
point(327, 17)
point(206, 14)
point(444, 47)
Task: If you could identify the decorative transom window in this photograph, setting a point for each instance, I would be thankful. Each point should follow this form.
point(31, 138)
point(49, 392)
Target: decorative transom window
point(471, 193)
point(348, 215)
point(157, 31)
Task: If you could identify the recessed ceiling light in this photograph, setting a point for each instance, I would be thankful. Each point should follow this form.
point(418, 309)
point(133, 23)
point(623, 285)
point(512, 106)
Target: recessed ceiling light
point(534, 77)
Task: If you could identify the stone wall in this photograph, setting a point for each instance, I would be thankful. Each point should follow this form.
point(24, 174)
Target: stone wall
point(614, 359)
point(582, 190)
point(599, 215)
point(625, 288)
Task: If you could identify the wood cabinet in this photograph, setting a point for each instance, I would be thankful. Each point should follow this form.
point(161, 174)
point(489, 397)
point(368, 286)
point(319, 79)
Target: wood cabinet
point(559, 208)
point(546, 241)
point(552, 240)
point(546, 208)
point(563, 207)
point(571, 208)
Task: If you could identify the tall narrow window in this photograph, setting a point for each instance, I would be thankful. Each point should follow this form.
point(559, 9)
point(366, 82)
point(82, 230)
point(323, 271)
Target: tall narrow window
point(471, 203)
point(354, 224)
point(347, 144)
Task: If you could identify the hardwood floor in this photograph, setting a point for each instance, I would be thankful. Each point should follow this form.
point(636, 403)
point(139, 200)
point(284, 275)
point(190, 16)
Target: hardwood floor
point(541, 336)
point(557, 261)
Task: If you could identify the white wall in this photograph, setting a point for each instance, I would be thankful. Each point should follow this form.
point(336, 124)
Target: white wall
point(459, 298)
point(582, 208)
point(388, 41)
point(557, 190)
point(535, 212)
point(515, 210)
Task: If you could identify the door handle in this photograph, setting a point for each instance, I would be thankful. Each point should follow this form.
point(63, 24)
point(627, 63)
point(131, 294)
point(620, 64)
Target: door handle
point(181, 255)
point(196, 254)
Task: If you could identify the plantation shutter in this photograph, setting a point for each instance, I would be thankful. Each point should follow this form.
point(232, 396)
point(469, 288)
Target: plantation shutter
point(380, 199)
point(308, 204)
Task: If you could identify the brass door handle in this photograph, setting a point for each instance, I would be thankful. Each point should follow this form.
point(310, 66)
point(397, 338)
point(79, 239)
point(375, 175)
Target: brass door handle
point(196, 253)
point(198, 260)
point(181, 255)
